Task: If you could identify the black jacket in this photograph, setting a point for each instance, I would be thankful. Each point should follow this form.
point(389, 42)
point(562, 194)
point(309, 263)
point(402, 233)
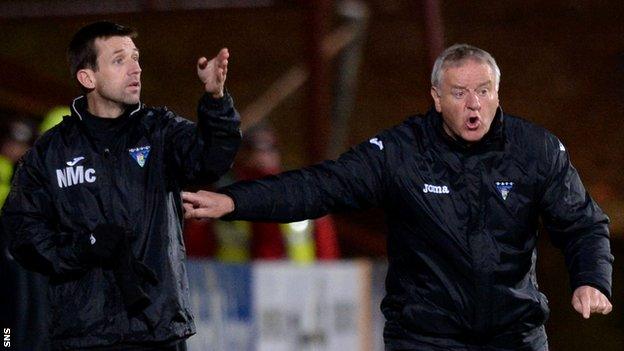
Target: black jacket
point(65, 187)
point(462, 224)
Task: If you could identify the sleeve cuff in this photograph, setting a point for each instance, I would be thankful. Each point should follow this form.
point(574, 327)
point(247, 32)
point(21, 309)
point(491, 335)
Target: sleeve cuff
point(232, 215)
point(221, 103)
point(596, 282)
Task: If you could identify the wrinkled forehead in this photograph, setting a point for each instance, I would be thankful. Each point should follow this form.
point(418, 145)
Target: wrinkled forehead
point(468, 69)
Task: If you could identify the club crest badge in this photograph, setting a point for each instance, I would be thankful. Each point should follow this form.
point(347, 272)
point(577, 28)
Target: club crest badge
point(140, 154)
point(504, 188)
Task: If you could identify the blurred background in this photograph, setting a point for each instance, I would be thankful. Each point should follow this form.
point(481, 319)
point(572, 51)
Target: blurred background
point(322, 75)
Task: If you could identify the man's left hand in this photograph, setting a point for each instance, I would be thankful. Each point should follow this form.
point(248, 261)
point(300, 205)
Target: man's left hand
point(587, 300)
point(213, 73)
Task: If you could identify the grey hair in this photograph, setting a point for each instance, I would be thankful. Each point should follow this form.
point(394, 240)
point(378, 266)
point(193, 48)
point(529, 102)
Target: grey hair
point(453, 56)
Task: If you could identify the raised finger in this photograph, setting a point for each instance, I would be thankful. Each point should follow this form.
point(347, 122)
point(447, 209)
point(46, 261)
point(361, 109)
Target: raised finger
point(202, 62)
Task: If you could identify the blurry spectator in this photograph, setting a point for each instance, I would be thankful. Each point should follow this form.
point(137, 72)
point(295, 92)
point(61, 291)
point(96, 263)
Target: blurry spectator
point(53, 117)
point(23, 305)
point(302, 242)
point(15, 139)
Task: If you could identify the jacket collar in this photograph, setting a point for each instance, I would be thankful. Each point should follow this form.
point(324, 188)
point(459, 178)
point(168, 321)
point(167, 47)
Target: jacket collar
point(79, 107)
point(494, 139)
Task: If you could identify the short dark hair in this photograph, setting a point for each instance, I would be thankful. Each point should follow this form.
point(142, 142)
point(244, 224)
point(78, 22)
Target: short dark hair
point(81, 52)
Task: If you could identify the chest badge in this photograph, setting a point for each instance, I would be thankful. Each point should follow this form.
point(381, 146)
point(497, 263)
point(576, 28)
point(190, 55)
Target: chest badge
point(504, 188)
point(140, 154)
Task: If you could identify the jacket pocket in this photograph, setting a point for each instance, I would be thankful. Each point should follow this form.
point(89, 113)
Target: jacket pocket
point(77, 305)
point(426, 318)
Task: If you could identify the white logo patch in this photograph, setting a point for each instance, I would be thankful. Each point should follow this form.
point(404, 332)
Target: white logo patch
point(73, 162)
point(504, 188)
point(92, 239)
point(377, 142)
point(436, 189)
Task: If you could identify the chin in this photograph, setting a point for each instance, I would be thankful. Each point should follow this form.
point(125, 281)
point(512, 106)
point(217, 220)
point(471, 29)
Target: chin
point(132, 100)
point(473, 137)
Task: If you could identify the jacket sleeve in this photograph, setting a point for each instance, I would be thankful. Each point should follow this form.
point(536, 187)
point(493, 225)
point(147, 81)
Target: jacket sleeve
point(574, 221)
point(36, 242)
point(353, 181)
point(203, 152)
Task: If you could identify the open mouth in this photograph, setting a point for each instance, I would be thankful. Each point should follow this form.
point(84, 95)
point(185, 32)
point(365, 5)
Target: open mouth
point(473, 123)
point(134, 85)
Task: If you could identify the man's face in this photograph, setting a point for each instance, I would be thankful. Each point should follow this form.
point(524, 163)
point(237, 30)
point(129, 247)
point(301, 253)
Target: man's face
point(467, 99)
point(117, 79)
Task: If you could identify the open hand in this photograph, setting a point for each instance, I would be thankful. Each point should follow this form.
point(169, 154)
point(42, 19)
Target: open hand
point(213, 73)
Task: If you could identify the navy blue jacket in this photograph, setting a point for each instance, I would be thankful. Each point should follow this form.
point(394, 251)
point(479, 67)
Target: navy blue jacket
point(66, 185)
point(462, 224)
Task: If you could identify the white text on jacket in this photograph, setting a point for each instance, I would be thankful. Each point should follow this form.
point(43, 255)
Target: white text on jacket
point(74, 175)
point(437, 189)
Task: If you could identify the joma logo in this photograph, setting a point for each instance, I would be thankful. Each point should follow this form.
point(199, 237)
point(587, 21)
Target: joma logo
point(74, 175)
point(436, 189)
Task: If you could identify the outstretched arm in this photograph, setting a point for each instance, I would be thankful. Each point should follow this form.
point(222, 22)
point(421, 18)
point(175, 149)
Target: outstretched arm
point(354, 181)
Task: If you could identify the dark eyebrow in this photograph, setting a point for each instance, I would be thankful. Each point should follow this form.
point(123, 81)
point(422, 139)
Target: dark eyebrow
point(121, 50)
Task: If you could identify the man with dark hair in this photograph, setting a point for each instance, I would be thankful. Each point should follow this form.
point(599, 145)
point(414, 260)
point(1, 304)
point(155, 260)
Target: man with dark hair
point(82, 52)
point(463, 188)
point(95, 205)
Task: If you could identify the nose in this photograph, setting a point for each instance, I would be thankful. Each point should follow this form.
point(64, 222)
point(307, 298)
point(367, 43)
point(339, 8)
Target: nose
point(473, 102)
point(135, 68)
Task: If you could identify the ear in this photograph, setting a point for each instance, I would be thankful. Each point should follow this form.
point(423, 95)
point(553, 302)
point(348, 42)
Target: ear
point(436, 99)
point(86, 78)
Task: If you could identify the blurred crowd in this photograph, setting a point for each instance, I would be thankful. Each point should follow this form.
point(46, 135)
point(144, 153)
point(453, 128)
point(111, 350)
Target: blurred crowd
point(240, 241)
point(23, 293)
